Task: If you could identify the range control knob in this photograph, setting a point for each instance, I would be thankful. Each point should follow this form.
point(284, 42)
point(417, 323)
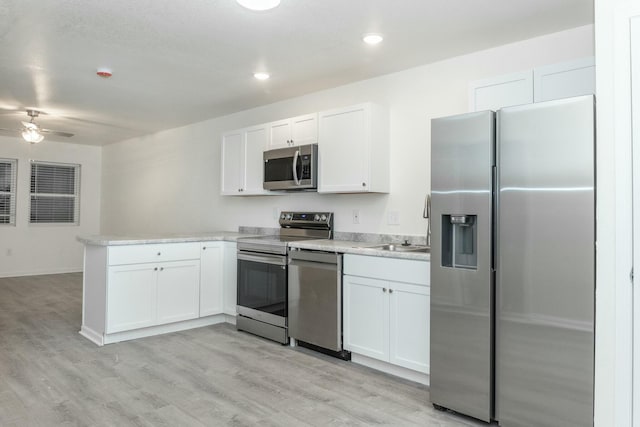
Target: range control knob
point(323, 217)
point(281, 216)
point(288, 216)
point(316, 218)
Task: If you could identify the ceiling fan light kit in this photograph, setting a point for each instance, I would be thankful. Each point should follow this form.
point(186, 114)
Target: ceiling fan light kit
point(32, 135)
point(259, 4)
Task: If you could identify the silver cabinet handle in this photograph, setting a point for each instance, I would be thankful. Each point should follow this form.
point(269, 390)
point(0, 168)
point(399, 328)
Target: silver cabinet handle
point(159, 254)
point(155, 269)
point(390, 291)
point(384, 289)
point(161, 268)
point(364, 184)
point(295, 167)
point(204, 248)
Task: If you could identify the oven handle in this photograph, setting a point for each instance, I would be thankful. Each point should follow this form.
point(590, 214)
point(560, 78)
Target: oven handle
point(295, 167)
point(267, 259)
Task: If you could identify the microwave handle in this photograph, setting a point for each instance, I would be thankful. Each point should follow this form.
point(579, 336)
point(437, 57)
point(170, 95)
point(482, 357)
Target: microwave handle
point(295, 167)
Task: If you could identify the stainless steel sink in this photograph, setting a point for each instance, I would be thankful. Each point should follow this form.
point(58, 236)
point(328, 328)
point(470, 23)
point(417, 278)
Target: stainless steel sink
point(402, 248)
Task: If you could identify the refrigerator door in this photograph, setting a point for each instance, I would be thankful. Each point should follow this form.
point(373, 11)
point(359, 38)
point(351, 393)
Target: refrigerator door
point(546, 264)
point(462, 159)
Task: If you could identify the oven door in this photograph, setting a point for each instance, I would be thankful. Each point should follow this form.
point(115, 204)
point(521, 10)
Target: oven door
point(262, 287)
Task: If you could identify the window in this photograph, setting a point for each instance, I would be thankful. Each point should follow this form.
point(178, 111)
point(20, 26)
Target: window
point(54, 193)
point(8, 191)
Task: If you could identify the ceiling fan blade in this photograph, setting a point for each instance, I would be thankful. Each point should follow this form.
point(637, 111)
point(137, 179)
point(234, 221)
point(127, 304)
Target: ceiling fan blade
point(56, 132)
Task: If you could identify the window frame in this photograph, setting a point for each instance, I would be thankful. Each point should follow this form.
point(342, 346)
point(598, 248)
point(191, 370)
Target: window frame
point(13, 193)
point(76, 196)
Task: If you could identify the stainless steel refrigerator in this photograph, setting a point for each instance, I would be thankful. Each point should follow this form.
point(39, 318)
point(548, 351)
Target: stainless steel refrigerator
point(513, 263)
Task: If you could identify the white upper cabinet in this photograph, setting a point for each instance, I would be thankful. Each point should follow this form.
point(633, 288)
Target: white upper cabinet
point(556, 81)
point(242, 164)
point(502, 91)
point(300, 130)
point(232, 161)
point(564, 80)
point(353, 150)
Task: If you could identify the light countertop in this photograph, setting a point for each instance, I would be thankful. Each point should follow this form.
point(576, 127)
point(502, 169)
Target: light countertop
point(141, 239)
point(336, 246)
point(358, 248)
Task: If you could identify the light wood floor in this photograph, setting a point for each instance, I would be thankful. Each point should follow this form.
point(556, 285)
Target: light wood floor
point(50, 375)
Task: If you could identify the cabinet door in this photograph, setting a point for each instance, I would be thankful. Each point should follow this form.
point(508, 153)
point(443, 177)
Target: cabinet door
point(409, 323)
point(211, 278)
point(232, 167)
point(230, 278)
point(304, 129)
point(366, 317)
point(573, 78)
point(343, 146)
point(178, 291)
point(131, 297)
point(255, 143)
point(279, 134)
point(501, 91)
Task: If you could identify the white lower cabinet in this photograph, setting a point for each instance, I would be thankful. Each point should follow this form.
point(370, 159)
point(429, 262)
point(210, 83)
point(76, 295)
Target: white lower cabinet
point(131, 297)
point(142, 295)
point(211, 278)
point(366, 317)
point(178, 291)
point(230, 278)
point(385, 316)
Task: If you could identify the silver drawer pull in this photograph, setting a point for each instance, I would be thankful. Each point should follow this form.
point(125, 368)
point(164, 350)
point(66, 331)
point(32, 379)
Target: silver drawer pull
point(384, 289)
point(390, 291)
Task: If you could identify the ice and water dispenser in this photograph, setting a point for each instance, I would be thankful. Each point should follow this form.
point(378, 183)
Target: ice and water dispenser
point(459, 241)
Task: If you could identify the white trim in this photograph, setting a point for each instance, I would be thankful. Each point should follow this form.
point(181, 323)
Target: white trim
point(388, 368)
point(40, 272)
point(103, 339)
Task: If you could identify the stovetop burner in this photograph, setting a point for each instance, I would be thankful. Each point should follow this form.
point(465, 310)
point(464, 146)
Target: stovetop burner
point(294, 226)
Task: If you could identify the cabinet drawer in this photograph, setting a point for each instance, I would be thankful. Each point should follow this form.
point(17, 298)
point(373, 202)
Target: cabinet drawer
point(135, 254)
point(394, 269)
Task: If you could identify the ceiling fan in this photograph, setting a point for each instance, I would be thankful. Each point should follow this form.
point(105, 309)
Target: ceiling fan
point(33, 133)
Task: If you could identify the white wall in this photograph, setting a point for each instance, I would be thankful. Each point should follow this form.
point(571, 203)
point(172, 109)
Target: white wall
point(170, 181)
point(38, 249)
point(614, 291)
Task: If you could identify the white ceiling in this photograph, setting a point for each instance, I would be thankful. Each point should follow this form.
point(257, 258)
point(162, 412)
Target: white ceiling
point(180, 62)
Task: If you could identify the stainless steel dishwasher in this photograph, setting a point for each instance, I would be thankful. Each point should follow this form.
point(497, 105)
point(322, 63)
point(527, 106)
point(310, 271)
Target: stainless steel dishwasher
point(315, 300)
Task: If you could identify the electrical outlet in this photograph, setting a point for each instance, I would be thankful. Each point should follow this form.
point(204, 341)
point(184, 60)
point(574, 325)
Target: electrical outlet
point(393, 218)
point(356, 216)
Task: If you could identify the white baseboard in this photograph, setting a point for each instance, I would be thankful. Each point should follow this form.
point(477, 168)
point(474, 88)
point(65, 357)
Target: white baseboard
point(388, 368)
point(39, 272)
point(102, 339)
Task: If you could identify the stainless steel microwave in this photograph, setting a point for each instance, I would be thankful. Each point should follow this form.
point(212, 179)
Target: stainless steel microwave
point(291, 168)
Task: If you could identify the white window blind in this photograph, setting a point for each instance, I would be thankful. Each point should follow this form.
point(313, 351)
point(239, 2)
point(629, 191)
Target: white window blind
point(54, 193)
point(8, 171)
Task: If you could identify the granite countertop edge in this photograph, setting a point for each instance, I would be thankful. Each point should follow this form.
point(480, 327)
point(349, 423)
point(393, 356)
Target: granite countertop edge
point(336, 246)
point(110, 240)
point(357, 248)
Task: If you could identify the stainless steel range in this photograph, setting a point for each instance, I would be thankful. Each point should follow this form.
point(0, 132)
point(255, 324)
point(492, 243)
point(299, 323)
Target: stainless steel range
point(263, 272)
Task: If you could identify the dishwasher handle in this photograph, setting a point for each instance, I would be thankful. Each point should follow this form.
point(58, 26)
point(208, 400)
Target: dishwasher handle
point(314, 256)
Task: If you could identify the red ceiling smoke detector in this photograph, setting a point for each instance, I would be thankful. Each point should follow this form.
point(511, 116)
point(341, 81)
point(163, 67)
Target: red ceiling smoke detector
point(105, 73)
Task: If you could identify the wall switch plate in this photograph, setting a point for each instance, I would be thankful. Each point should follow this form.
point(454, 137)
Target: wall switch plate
point(356, 216)
point(393, 218)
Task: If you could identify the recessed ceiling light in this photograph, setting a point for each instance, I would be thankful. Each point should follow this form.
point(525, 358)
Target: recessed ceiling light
point(372, 38)
point(261, 76)
point(259, 4)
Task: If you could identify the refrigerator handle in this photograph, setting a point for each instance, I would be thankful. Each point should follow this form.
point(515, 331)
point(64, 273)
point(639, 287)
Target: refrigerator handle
point(494, 218)
point(427, 214)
